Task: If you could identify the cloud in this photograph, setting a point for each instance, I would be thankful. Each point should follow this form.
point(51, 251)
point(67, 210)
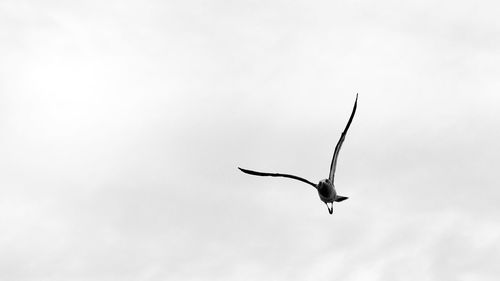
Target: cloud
point(122, 125)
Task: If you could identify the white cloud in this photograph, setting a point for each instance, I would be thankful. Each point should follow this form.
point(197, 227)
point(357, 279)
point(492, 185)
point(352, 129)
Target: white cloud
point(122, 125)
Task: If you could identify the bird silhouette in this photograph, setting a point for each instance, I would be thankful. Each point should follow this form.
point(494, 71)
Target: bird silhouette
point(326, 188)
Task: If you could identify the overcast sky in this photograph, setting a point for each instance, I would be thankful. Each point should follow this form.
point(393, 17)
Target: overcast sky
point(122, 124)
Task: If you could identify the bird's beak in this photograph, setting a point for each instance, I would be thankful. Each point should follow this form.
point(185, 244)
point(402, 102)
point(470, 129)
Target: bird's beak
point(330, 207)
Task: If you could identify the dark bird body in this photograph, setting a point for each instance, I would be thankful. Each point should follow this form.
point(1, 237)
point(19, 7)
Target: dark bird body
point(326, 188)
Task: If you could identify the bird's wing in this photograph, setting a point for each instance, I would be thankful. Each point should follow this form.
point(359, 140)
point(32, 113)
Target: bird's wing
point(341, 140)
point(275, 175)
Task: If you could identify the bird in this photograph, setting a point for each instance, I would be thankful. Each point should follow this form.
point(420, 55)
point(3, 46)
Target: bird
point(326, 188)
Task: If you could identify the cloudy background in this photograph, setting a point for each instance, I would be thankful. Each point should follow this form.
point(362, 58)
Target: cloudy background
point(122, 124)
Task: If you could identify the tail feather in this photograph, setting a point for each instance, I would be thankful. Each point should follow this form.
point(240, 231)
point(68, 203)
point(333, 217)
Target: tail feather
point(340, 198)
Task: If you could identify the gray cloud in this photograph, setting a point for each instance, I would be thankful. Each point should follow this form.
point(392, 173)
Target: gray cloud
point(122, 125)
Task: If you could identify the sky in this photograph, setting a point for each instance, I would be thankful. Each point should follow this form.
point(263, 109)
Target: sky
point(122, 124)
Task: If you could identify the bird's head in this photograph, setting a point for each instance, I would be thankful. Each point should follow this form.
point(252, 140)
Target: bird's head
point(329, 205)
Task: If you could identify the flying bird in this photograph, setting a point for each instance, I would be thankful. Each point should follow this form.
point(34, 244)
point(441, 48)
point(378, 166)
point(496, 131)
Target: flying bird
point(326, 188)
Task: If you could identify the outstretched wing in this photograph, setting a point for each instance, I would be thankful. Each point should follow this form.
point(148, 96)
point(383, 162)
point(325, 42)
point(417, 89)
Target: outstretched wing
point(333, 166)
point(275, 175)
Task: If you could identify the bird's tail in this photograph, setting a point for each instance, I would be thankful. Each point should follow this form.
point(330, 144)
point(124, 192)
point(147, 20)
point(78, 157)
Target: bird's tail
point(340, 198)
